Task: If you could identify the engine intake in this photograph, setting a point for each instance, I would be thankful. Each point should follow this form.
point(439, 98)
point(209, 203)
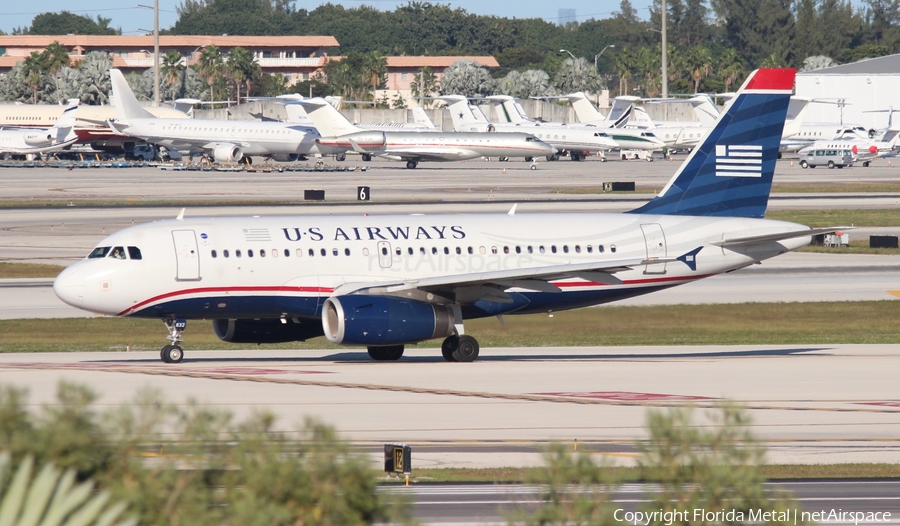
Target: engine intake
point(227, 153)
point(267, 330)
point(383, 320)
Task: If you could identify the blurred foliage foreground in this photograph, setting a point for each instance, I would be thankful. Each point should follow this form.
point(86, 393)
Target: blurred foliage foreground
point(152, 462)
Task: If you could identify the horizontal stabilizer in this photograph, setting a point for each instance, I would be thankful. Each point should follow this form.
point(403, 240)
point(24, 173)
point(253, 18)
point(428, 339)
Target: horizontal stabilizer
point(752, 240)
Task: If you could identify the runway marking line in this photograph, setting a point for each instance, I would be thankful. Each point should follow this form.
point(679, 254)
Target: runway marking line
point(202, 374)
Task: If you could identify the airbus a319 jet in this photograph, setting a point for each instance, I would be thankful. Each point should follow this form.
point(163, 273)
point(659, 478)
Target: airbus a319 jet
point(387, 281)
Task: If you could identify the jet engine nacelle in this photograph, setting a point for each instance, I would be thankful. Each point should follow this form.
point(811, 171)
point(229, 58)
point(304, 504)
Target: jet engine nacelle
point(383, 320)
point(38, 139)
point(227, 153)
point(267, 330)
point(365, 140)
point(285, 157)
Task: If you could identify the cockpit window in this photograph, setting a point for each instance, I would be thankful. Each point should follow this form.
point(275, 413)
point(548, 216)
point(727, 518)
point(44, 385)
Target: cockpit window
point(99, 252)
point(118, 253)
point(134, 253)
point(530, 138)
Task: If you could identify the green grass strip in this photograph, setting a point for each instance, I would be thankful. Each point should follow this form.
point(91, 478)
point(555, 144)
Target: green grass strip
point(28, 270)
point(738, 324)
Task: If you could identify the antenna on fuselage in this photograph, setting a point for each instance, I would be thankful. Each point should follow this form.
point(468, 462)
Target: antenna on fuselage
point(181, 214)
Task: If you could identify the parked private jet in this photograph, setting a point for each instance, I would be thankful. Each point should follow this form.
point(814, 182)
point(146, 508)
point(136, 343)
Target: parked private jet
point(225, 141)
point(28, 140)
point(576, 141)
point(386, 281)
point(413, 147)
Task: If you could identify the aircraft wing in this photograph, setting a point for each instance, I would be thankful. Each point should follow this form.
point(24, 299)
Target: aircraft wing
point(779, 236)
point(44, 149)
point(469, 288)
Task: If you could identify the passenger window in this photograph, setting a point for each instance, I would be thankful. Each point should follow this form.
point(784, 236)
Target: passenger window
point(118, 253)
point(322, 251)
point(578, 249)
point(459, 250)
point(506, 250)
point(134, 253)
point(493, 250)
point(590, 249)
point(434, 250)
point(99, 252)
point(518, 249)
point(225, 253)
point(398, 251)
point(213, 254)
point(530, 250)
point(541, 249)
point(347, 251)
point(612, 248)
point(409, 251)
point(471, 250)
point(601, 249)
point(250, 253)
point(565, 249)
point(384, 251)
point(553, 249)
point(312, 252)
point(481, 249)
point(365, 251)
point(262, 253)
point(446, 250)
point(422, 250)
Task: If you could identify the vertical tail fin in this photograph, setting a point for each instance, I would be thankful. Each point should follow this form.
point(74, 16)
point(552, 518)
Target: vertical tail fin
point(704, 109)
point(126, 104)
point(584, 110)
point(421, 118)
point(66, 122)
point(327, 119)
point(460, 113)
point(730, 172)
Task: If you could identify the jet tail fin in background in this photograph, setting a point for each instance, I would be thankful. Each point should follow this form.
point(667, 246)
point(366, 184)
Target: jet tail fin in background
point(327, 119)
point(126, 104)
point(421, 118)
point(66, 122)
point(730, 172)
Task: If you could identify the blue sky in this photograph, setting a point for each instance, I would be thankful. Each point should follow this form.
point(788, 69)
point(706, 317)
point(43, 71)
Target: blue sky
point(132, 19)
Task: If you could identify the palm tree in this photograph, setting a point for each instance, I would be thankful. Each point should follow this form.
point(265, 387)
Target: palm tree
point(625, 62)
point(731, 67)
point(577, 75)
point(172, 68)
point(375, 71)
point(211, 66)
point(56, 57)
point(424, 85)
point(240, 66)
point(34, 68)
point(468, 78)
point(699, 62)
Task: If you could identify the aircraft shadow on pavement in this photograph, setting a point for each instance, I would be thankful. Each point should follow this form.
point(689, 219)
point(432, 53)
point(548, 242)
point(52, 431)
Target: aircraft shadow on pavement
point(363, 357)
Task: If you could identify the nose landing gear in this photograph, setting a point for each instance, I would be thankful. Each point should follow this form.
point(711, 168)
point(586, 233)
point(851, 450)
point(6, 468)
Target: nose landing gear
point(174, 353)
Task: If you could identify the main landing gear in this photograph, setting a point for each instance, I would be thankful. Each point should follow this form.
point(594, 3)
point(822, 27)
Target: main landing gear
point(411, 164)
point(459, 347)
point(174, 353)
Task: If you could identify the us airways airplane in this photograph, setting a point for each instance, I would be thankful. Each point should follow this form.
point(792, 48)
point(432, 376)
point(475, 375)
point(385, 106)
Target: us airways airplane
point(577, 140)
point(387, 281)
point(339, 133)
point(226, 141)
point(33, 140)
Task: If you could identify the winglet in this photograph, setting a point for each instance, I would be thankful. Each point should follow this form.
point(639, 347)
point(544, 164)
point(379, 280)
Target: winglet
point(690, 258)
point(181, 215)
point(512, 211)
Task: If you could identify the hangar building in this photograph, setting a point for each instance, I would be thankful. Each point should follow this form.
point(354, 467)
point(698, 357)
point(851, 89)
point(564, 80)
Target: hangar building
point(856, 88)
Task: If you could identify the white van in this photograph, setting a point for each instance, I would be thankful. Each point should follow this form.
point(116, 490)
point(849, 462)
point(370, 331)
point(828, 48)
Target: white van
point(826, 157)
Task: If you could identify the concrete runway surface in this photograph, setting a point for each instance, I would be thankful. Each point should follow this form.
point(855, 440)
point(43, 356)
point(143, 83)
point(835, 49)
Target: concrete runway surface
point(813, 404)
point(809, 404)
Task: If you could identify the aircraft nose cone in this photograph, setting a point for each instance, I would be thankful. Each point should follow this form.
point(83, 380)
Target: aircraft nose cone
point(69, 287)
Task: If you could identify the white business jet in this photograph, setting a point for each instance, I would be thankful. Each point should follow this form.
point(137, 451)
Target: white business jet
point(225, 141)
point(386, 281)
point(28, 141)
point(576, 141)
point(412, 147)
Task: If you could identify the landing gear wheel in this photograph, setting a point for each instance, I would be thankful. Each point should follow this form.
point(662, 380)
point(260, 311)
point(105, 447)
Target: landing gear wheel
point(504, 159)
point(865, 164)
point(451, 343)
point(366, 157)
point(529, 159)
point(340, 157)
point(245, 160)
point(467, 350)
point(411, 164)
point(391, 353)
point(172, 354)
point(533, 166)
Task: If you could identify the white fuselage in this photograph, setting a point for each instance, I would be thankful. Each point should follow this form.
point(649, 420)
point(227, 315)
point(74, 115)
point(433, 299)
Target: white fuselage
point(286, 266)
point(252, 137)
point(440, 146)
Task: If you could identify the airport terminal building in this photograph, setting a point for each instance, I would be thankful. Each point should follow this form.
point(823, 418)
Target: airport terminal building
point(853, 90)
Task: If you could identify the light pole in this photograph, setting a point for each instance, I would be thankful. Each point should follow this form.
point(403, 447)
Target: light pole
point(567, 51)
point(155, 49)
point(600, 53)
point(665, 65)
